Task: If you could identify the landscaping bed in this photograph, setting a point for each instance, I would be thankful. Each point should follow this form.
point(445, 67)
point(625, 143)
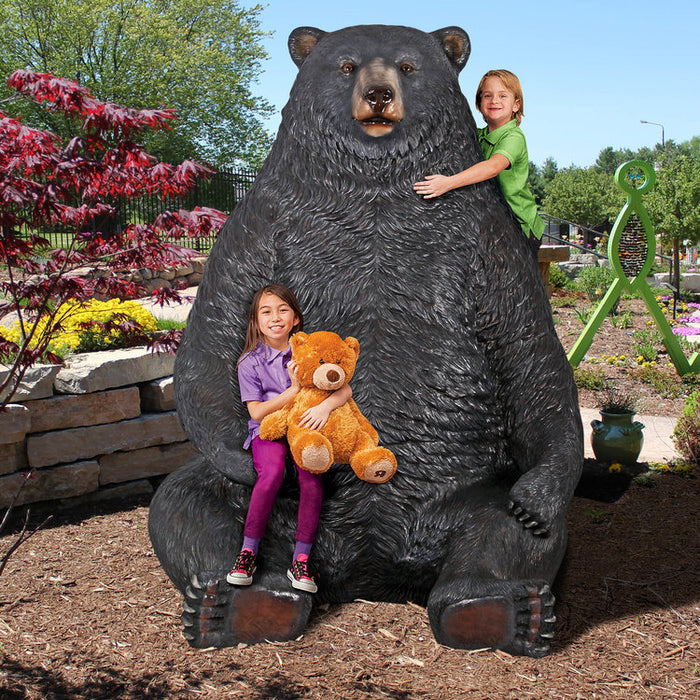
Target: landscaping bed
point(613, 355)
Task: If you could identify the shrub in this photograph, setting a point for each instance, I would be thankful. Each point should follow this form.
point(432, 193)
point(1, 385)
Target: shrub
point(668, 385)
point(594, 281)
point(686, 434)
point(591, 379)
point(94, 325)
point(558, 278)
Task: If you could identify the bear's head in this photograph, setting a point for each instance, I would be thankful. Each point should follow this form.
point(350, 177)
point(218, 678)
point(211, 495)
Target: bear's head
point(324, 359)
point(375, 89)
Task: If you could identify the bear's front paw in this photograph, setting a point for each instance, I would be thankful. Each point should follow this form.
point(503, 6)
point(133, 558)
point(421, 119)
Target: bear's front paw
point(530, 521)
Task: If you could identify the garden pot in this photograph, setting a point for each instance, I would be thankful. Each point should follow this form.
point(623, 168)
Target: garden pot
point(616, 438)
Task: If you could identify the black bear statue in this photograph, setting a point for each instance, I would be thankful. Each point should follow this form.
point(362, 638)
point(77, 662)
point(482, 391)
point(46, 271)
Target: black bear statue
point(460, 371)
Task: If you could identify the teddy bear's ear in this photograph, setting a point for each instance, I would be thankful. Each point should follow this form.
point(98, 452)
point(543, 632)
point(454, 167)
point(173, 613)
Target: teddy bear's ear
point(353, 344)
point(298, 339)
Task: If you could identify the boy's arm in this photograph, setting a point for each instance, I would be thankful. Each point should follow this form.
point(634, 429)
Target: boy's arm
point(316, 417)
point(435, 185)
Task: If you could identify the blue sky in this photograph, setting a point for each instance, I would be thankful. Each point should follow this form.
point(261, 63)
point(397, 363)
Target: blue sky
point(590, 71)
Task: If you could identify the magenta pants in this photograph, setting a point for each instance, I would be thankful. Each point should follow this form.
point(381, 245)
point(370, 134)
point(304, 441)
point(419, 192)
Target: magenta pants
point(268, 459)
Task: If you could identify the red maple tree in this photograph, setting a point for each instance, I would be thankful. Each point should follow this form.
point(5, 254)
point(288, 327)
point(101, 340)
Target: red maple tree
point(47, 184)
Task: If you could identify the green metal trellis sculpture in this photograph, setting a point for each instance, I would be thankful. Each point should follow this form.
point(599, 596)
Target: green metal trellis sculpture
point(631, 250)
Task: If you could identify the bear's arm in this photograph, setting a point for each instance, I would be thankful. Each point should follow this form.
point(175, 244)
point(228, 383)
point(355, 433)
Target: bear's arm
point(535, 381)
point(274, 425)
point(364, 423)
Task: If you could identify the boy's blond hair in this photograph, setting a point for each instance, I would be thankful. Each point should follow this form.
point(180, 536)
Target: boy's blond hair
point(511, 82)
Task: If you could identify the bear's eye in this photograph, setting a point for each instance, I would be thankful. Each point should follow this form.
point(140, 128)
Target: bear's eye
point(347, 67)
point(321, 362)
point(407, 68)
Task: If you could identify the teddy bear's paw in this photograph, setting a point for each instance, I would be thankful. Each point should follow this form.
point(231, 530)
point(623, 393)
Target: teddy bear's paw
point(315, 458)
point(375, 466)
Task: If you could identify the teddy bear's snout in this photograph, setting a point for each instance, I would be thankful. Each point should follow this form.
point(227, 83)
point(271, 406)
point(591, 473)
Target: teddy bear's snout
point(329, 377)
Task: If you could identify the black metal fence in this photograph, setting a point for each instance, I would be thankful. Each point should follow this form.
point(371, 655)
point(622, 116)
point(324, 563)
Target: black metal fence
point(222, 191)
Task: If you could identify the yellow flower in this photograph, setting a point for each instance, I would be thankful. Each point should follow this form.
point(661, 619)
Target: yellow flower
point(71, 314)
point(615, 468)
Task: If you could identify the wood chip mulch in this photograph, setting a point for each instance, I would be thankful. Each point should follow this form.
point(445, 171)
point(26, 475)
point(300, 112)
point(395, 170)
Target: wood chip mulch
point(87, 612)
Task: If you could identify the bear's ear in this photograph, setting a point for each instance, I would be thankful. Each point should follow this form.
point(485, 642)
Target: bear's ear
point(456, 45)
point(302, 42)
point(353, 344)
point(298, 339)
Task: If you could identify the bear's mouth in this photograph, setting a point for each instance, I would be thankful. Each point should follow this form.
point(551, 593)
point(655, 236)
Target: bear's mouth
point(377, 125)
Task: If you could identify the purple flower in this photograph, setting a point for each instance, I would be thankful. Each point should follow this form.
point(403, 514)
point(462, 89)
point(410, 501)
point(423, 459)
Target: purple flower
point(684, 330)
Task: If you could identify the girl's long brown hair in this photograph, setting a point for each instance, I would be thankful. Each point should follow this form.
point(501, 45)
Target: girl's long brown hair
point(253, 336)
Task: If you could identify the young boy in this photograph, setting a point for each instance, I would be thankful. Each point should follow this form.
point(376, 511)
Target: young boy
point(499, 98)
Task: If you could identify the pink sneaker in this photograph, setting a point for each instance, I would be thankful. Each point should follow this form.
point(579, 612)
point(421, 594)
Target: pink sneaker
point(300, 577)
point(243, 569)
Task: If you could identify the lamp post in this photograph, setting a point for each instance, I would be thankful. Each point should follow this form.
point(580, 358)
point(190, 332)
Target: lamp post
point(663, 140)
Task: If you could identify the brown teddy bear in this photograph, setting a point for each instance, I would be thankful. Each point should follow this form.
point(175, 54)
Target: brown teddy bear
point(324, 363)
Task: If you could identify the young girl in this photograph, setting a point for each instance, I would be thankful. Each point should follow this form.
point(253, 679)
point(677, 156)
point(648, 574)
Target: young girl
point(499, 98)
point(267, 380)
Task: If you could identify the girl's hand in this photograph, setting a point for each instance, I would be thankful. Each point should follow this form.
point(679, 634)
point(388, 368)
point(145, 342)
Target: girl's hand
point(292, 371)
point(433, 186)
point(315, 417)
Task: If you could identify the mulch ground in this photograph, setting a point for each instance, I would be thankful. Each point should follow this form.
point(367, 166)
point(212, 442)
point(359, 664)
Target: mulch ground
point(87, 612)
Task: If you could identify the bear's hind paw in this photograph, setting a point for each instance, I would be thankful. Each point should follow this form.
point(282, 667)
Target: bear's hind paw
point(216, 614)
point(522, 624)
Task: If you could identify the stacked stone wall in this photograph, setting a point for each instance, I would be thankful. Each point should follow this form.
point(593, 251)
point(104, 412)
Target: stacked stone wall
point(102, 426)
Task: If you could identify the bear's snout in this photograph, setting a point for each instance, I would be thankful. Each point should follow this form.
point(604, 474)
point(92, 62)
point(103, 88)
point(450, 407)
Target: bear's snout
point(377, 102)
point(329, 377)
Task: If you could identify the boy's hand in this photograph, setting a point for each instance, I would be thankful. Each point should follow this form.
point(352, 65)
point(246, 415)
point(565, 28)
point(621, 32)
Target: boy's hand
point(433, 186)
point(315, 417)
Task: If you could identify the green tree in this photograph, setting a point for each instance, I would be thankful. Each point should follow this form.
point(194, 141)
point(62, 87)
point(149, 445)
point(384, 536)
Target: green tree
point(674, 203)
point(199, 56)
point(583, 196)
point(539, 177)
point(609, 159)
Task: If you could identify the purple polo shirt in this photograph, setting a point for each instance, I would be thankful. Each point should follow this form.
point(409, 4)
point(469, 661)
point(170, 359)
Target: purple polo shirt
point(262, 374)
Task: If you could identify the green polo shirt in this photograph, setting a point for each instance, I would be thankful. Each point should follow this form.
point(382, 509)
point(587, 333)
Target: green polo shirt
point(509, 141)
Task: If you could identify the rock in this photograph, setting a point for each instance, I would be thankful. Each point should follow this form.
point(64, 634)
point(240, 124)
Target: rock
point(198, 263)
point(194, 279)
point(167, 274)
point(74, 444)
point(13, 457)
point(50, 484)
point(37, 382)
point(156, 283)
point(94, 371)
point(184, 269)
point(142, 464)
point(77, 410)
point(690, 281)
point(584, 259)
point(14, 423)
point(158, 395)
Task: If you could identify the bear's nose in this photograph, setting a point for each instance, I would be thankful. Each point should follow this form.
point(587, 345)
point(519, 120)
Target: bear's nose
point(333, 376)
point(378, 97)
